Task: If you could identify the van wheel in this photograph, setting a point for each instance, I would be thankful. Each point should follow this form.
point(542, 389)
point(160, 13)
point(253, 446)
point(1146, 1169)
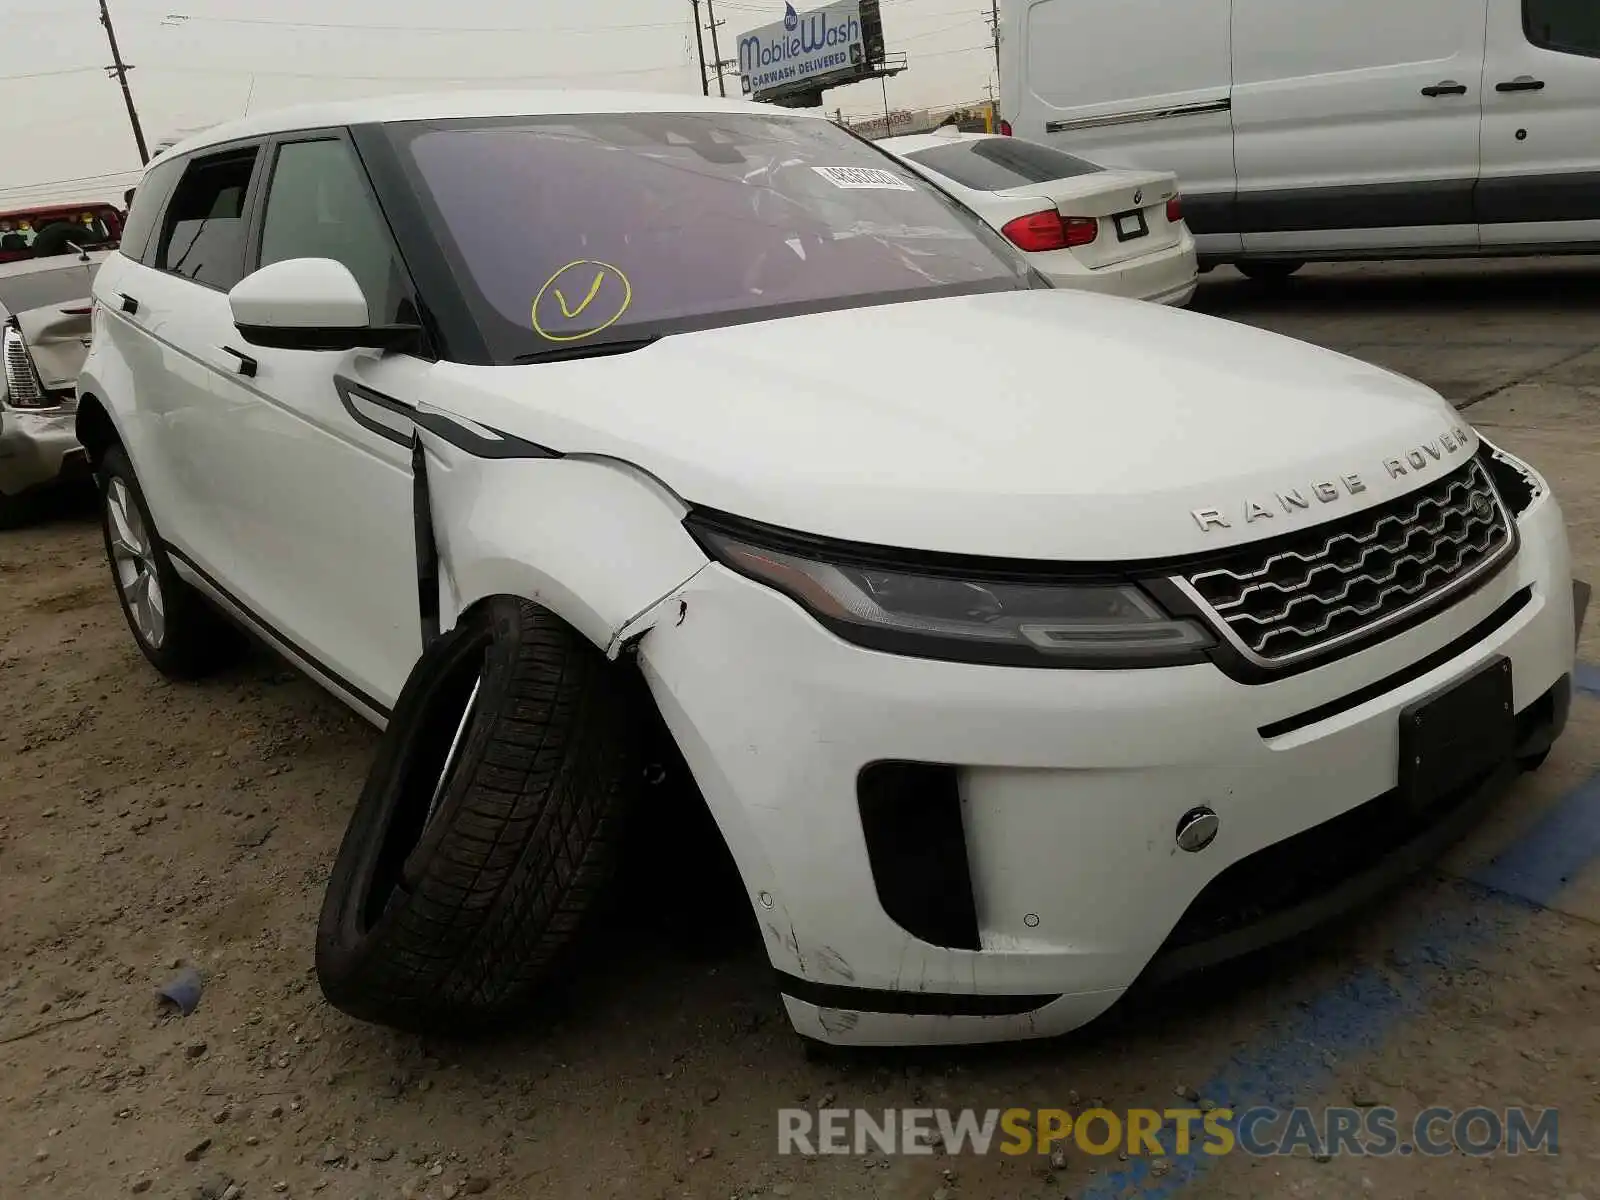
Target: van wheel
point(174, 626)
point(1268, 270)
point(486, 829)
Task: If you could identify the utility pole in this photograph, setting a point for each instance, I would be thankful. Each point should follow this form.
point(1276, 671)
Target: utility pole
point(716, 48)
point(994, 24)
point(120, 70)
point(700, 47)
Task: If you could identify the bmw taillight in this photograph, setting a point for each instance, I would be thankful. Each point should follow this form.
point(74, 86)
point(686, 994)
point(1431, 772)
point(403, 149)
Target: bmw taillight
point(1005, 128)
point(1049, 230)
point(1175, 210)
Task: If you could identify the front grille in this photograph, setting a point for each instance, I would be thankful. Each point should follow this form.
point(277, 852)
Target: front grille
point(1292, 598)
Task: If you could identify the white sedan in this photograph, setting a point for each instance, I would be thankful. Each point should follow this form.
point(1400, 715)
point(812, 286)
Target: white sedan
point(1082, 225)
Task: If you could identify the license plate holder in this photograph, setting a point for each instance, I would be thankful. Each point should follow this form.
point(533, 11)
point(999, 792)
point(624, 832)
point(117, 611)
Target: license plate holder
point(1456, 735)
point(1131, 225)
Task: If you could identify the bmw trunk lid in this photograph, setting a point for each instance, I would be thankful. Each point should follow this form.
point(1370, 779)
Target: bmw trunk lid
point(1130, 206)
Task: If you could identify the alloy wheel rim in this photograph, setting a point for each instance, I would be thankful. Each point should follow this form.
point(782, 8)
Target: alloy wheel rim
point(134, 565)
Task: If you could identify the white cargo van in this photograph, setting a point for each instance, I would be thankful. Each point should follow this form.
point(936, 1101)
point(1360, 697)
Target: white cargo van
point(1305, 130)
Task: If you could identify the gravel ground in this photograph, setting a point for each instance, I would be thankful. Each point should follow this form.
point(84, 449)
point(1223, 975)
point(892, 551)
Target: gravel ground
point(146, 826)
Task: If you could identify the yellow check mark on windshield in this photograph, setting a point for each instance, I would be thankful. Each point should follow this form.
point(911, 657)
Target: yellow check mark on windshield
point(570, 313)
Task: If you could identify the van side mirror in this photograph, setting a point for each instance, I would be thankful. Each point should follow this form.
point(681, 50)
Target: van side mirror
point(310, 304)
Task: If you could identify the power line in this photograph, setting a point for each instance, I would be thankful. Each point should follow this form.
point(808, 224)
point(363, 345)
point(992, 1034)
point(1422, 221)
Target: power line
point(962, 50)
point(41, 194)
point(175, 20)
point(82, 181)
point(46, 74)
point(525, 76)
point(933, 32)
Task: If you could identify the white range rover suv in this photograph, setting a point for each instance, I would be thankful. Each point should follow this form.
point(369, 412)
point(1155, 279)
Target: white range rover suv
point(1022, 643)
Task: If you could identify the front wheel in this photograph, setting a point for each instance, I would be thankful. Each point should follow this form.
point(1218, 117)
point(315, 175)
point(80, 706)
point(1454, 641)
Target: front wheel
point(487, 827)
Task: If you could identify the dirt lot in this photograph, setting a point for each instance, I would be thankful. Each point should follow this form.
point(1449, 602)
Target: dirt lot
point(145, 825)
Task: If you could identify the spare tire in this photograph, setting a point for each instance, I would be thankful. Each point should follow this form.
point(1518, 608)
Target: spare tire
point(487, 826)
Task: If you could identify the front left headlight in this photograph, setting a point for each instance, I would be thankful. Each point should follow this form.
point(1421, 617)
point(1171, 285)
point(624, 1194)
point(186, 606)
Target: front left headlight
point(959, 613)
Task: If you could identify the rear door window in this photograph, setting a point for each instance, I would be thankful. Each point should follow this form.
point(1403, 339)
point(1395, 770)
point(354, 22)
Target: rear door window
point(1567, 26)
point(999, 164)
point(203, 232)
point(148, 198)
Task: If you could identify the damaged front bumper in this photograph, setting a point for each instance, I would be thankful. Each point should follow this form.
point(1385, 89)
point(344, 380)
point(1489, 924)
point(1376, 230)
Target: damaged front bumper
point(940, 852)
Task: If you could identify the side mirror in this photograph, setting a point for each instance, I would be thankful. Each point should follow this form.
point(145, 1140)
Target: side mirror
point(310, 304)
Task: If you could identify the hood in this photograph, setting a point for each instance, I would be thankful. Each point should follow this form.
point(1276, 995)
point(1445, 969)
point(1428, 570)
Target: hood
point(58, 338)
point(1042, 425)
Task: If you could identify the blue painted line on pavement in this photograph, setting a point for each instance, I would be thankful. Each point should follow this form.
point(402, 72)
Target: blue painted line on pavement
point(1295, 1060)
point(1586, 678)
point(1550, 855)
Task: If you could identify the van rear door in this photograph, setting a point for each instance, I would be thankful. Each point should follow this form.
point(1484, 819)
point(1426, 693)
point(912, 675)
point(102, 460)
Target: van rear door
point(1356, 125)
point(1139, 84)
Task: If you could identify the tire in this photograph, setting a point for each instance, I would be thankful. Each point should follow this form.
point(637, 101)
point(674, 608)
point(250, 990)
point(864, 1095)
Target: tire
point(1533, 762)
point(174, 626)
point(487, 828)
point(1268, 270)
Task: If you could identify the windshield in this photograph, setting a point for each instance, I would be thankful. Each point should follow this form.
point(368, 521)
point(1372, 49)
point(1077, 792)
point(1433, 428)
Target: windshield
point(999, 164)
point(575, 232)
point(46, 233)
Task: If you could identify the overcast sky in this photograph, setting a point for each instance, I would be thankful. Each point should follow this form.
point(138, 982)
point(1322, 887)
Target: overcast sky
point(202, 61)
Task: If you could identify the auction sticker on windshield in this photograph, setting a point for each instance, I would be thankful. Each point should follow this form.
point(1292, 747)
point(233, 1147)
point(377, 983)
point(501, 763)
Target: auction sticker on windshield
point(857, 178)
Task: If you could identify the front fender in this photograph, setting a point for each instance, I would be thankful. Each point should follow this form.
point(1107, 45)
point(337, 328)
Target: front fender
point(598, 542)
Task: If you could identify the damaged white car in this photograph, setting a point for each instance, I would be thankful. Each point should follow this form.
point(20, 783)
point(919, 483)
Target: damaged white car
point(1022, 643)
point(44, 338)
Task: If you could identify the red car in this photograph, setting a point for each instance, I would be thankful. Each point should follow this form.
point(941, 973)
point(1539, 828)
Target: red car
point(44, 232)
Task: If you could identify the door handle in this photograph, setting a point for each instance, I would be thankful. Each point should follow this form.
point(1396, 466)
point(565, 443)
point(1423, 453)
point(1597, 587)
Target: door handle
point(247, 366)
point(1446, 87)
point(129, 304)
point(1522, 83)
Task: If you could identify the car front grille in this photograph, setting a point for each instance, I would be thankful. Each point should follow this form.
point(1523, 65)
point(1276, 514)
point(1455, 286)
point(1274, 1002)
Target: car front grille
point(1293, 598)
